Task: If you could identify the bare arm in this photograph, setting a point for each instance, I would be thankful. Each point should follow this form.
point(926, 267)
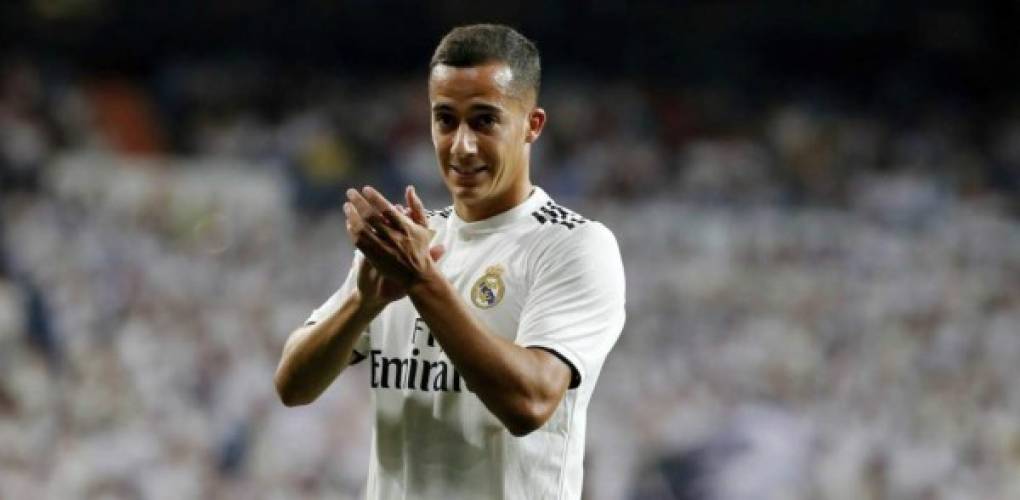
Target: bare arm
point(314, 355)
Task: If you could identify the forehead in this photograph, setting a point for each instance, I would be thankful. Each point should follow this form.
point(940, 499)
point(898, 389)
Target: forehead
point(488, 82)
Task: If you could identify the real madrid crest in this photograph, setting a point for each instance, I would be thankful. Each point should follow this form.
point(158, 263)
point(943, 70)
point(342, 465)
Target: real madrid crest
point(488, 290)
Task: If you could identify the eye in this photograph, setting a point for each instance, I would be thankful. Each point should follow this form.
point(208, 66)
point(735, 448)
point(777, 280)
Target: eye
point(444, 120)
point(485, 121)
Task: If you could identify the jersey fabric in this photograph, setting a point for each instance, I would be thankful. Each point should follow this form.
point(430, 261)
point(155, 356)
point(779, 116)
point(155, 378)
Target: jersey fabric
point(539, 275)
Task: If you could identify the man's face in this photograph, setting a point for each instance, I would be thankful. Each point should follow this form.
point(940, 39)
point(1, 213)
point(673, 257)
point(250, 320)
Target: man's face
point(482, 131)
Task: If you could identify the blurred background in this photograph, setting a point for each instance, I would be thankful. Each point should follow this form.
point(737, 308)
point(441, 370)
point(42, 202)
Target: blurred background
point(817, 207)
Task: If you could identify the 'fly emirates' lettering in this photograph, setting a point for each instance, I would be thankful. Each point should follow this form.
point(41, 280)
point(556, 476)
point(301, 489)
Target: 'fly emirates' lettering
point(414, 372)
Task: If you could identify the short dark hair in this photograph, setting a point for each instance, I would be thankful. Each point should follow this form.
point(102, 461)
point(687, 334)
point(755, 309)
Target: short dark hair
point(479, 44)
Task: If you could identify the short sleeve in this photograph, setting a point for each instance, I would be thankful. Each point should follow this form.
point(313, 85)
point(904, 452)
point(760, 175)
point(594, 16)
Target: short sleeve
point(336, 300)
point(575, 307)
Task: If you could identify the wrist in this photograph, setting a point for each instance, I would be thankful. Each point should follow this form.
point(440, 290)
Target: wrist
point(427, 283)
point(365, 307)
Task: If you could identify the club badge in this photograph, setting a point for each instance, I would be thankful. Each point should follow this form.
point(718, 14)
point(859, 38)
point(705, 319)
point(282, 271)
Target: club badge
point(488, 290)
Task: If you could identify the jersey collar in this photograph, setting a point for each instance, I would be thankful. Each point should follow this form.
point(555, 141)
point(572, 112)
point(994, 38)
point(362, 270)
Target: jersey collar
point(497, 222)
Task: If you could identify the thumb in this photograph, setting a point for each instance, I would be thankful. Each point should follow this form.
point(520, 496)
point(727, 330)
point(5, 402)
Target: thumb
point(437, 252)
point(415, 205)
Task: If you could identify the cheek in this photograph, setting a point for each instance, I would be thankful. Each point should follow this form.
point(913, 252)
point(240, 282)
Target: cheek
point(506, 147)
point(441, 145)
point(436, 138)
point(499, 146)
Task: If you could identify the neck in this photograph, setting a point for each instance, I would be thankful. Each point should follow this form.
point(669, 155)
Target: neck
point(483, 209)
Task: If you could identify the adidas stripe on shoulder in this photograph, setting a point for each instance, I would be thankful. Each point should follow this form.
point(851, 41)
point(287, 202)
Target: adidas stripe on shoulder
point(444, 212)
point(553, 213)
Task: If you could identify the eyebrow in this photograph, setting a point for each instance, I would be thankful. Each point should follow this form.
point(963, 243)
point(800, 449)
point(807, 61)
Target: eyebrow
point(474, 107)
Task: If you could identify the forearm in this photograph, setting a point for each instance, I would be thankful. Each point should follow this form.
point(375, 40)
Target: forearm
point(518, 385)
point(314, 355)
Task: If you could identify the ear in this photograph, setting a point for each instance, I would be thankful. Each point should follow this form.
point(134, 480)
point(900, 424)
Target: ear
point(536, 122)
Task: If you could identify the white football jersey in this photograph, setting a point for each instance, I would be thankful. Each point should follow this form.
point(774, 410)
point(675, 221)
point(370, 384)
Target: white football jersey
point(539, 275)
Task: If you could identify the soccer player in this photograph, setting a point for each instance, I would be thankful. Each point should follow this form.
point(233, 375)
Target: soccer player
point(484, 325)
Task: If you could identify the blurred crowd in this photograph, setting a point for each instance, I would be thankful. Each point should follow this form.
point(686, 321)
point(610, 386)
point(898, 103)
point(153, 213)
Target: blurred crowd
point(823, 301)
point(623, 140)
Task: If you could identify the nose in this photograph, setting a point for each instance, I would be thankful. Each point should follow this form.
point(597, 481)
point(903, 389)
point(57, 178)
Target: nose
point(465, 143)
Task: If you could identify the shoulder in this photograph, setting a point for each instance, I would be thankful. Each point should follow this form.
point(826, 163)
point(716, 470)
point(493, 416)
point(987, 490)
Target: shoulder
point(562, 232)
point(575, 254)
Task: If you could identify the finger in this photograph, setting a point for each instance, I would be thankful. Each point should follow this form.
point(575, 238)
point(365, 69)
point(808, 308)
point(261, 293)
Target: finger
point(354, 221)
point(418, 213)
point(383, 206)
point(393, 224)
point(373, 245)
point(362, 235)
point(372, 217)
point(361, 205)
point(437, 252)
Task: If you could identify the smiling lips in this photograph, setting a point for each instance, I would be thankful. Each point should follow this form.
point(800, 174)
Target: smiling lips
point(467, 174)
point(468, 170)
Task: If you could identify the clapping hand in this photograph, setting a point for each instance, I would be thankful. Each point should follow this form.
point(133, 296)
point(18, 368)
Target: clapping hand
point(395, 241)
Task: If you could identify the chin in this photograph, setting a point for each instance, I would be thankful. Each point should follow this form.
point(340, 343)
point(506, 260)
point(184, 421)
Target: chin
point(465, 192)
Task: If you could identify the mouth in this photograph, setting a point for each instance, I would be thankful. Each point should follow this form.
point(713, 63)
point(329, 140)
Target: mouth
point(469, 170)
point(468, 175)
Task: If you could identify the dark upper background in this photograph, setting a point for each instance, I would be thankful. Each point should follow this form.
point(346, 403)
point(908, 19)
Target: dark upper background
point(965, 49)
